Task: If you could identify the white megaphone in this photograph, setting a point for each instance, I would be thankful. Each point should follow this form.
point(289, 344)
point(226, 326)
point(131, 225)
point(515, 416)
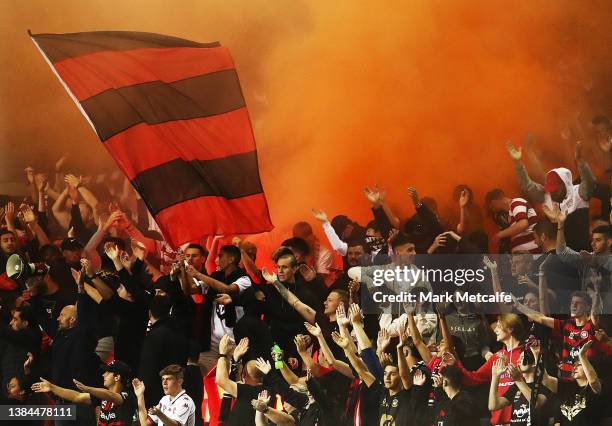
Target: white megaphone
point(17, 267)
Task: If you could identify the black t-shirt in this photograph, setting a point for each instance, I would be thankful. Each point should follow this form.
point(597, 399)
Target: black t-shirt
point(116, 415)
point(392, 410)
point(459, 411)
point(579, 406)
point(521, 414)
point(242, 413)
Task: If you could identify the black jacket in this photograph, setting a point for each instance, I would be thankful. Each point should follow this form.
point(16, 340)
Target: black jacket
point(164, 345)
point(73, 351)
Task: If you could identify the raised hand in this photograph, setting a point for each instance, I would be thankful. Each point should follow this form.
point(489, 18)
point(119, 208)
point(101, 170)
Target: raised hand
point(373, 195)
point(341, 318)
point(437, 380)
point(584, 349)
point(319, 215)
point(340, 340)
point(383, 339)
point(113, 219)
point(9, 212)
point(315, 330)
point(28, 214)
point(263, 365)
point(111, 250)
point(268, 276)
point(355, 314)
point(73, 181)
point(499, 366)
point(464, 198)
point(41, 182)
point(419, 378)
point(42, 386)
point(241, 349)
point(28, 362)
point(448, 359)
point(514, 372)
point(29, 171)
point(139, 387)
point(261, 403)
point(307, 272)
point(515, 153)
point(489, 263)
point(412, 193)
point(554, 214)
point(138, 249)
point(80, 386)
point(225, 345)
point(301, 343)
point(87, 267)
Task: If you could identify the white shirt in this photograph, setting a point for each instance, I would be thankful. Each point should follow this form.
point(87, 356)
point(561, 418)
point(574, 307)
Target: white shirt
point(218, 328)
point(180, 408)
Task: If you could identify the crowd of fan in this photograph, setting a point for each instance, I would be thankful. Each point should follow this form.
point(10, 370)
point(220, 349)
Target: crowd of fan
point(125, 327)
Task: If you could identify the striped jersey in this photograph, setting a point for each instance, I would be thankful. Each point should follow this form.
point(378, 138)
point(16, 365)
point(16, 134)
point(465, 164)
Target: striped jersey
point(574, 337)
point(519, 210)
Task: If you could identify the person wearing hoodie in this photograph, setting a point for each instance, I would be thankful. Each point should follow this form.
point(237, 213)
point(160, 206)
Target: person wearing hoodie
point(559, 190)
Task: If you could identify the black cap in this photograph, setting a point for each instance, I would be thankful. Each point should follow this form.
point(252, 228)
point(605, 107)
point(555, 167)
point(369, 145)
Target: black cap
point(71, 244)
point(121, 368)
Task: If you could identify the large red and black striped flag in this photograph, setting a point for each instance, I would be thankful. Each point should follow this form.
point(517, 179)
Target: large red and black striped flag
point(172, 114)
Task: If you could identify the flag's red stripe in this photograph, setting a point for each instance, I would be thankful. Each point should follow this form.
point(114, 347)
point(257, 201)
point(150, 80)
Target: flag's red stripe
point(143, 146)
point(94, 73)
point(214, 215)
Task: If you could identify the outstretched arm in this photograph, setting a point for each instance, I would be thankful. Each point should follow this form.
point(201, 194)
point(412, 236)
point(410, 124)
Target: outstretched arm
point(303, 309)
point(67, 394)
point(359, 366)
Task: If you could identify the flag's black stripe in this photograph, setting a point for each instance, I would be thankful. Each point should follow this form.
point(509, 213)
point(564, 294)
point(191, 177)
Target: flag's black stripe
point(116, 110)
point(62, 46)
point(178, 180)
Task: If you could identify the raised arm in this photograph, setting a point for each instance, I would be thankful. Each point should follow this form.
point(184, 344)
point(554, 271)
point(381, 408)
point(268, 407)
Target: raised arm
point(213, 252)
point(534, 316)
point(587, 180)
point(534, 190)
point(59, 211)
point(30, 218)
point(222, 375)
point(100, 393)
point(334, 240)
point(67, 394)
point(417, 339)
point(503, 308)
point(340, 366)
point(139, 390)
point(303, 309)
point(404, 371)
point(359, 366)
